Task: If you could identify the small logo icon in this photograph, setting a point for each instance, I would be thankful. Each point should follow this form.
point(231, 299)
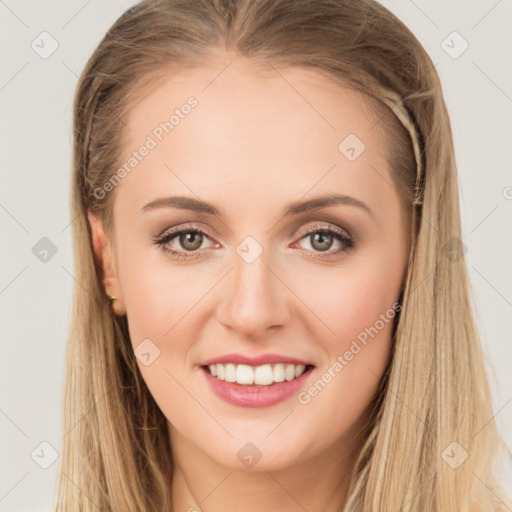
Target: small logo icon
point(249, 249)
point(351, 147)
point(454, 45)
point(44, 455)
point(44, 45)
point(44, 250)
point(249, 455)
point(146, 352)
point(454, 455)
point(454, 250)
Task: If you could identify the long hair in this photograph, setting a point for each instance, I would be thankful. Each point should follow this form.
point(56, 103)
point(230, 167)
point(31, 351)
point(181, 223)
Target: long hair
point(434, 402)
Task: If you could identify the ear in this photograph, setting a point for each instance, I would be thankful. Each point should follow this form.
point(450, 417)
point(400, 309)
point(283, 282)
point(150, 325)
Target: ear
point(104, 254)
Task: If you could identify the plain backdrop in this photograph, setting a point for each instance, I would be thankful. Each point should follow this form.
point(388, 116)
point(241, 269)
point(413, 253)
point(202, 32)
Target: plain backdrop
point(44, 46)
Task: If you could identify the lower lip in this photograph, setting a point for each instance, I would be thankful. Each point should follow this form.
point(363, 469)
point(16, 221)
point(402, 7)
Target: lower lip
point(255, 396)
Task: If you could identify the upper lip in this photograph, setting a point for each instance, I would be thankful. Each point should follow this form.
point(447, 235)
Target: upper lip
point(255, 361)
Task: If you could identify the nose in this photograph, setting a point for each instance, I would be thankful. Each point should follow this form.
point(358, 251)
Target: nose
point(254, 299)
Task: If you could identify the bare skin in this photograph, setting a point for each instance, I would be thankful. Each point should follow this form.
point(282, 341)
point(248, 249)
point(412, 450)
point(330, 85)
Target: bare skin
point(251, 147)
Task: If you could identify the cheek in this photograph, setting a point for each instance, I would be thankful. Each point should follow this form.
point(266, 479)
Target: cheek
point(162, 303)
point(157, 294)
point(159, 302)
point(357, 307)
point(349, 298)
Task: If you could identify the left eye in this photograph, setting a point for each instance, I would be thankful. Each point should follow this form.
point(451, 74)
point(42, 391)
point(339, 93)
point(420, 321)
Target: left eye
point(322, 239)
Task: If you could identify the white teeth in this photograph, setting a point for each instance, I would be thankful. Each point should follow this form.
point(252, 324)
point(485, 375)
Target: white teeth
point(289, 372)
point(279, 372)
point(230, 373)
point(299, 370)
point(244, 374)
point(263, 375)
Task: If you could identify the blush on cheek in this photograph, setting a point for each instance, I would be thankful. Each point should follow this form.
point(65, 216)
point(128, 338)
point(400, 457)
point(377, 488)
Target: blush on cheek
point(150, 295)
point(347, 306)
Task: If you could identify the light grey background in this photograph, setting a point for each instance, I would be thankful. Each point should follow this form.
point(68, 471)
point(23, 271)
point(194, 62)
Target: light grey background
point(35, 297)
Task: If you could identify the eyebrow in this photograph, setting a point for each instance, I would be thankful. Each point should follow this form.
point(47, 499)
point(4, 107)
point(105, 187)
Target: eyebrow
point(196, 205)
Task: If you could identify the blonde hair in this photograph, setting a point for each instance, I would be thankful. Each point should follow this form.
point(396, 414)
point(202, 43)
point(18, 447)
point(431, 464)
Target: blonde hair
point(116, 453)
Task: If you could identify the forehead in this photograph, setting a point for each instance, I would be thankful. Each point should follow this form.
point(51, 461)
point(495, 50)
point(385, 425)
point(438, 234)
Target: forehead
point(241, 85)
point(252, 127)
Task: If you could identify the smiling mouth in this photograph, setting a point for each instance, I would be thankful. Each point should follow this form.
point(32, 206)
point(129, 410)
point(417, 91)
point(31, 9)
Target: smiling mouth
point(263, 375)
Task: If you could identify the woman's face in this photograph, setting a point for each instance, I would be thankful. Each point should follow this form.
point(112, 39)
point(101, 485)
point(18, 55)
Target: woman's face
point(254, 158)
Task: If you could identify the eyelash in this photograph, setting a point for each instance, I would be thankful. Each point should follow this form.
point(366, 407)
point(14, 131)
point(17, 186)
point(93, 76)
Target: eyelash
point(338, 234)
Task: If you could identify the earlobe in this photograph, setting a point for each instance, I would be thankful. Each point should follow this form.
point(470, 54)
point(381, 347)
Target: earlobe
point(103, 253)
